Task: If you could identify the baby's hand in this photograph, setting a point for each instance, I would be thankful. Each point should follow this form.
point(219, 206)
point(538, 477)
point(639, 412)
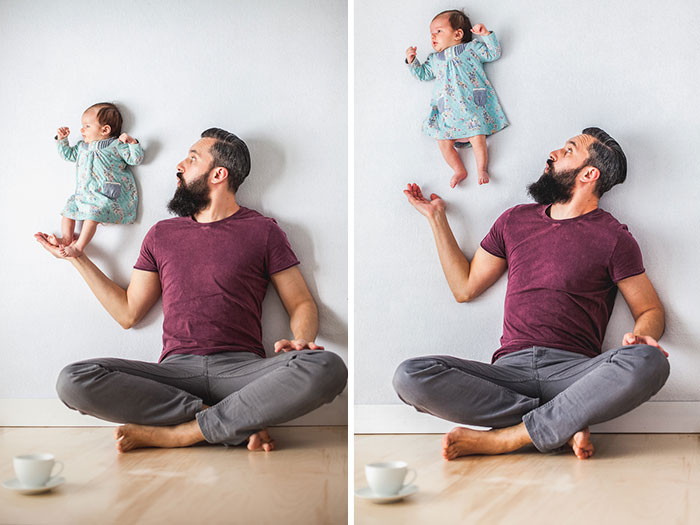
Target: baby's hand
point(480, 30)
point(124, 137)
point(62, 133)
point(410, 54)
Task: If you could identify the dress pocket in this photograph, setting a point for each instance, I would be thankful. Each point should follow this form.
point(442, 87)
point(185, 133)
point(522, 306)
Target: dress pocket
point(480, 97)
point(111, 190)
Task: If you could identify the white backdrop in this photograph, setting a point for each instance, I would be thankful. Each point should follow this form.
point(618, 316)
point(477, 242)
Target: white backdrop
point(629, 67)
point(274, 73)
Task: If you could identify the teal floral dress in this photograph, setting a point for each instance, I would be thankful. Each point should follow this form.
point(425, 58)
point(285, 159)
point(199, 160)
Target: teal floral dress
point(105, 190)
point(464, 103)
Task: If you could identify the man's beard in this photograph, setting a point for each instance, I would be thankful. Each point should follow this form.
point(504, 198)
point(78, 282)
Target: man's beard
point(190, 200)
point(554, 187)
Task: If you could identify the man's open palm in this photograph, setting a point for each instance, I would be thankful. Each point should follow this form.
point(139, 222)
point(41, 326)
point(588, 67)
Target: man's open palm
point(419, 202)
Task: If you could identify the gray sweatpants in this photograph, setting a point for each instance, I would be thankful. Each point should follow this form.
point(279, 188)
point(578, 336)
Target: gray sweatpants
point(554, 392)
point(246, 392)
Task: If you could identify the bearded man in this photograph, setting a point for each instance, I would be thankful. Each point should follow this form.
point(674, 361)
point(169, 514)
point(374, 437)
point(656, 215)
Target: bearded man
point(212, 266)
point(566, 258)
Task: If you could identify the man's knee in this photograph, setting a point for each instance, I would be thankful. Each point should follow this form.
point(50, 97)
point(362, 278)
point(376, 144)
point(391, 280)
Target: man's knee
point(408, 381)
point(70, 384)
point(331, 373)
point(653, 368)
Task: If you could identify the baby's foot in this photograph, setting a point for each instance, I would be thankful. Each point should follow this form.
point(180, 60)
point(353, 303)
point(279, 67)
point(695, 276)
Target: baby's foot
point(71, 251)
point(483, 177)
point(457, 178)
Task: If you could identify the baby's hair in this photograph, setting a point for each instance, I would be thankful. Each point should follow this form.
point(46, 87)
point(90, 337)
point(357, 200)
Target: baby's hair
point(606, 154)
point(458, 20)
point(108, 115)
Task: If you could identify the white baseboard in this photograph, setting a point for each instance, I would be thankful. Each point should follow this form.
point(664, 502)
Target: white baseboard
point(674, 417)
point(53, 413)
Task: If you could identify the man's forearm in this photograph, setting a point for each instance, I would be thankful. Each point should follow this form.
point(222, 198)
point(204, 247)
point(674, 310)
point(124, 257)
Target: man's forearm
point(304, 321)
point(112, 296)
point(650, 323)
point(455, 264)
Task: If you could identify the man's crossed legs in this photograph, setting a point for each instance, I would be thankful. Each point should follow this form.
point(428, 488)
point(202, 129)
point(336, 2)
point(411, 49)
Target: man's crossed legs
point(543, 396)
point(227, 398)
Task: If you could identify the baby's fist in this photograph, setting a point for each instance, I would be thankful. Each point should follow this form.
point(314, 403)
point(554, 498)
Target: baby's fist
point(480, 29)
point(62, 133)
point(410, 54)
point(124, 137)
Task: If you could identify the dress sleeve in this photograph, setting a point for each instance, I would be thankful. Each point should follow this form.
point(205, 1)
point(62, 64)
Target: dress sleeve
point(495, 240)
point(147, 259)
point(131, 153)
point(422, 71)
point(626, 260)
point(489, 49)
point(279, 254)
point(65, 151)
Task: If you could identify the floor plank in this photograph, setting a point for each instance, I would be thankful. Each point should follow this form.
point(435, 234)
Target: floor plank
point(633, 478)
point(304, 481)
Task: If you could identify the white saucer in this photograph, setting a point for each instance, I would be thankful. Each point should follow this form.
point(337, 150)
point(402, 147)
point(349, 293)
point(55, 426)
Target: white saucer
point(14, 484)
point(366, 493)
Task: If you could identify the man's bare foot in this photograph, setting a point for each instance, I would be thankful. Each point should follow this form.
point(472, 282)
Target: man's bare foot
point(462, 441)
point(130, 436)
point(71, 250)
point(581, 444)
point(483, 177)
point(457, 178)
point(261, 441)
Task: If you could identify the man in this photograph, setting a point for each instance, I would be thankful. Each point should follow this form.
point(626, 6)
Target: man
point(566, 259)
point(211, 265)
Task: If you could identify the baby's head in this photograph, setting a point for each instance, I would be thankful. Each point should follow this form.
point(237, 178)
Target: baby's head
point(101, 121)
point(450, 28)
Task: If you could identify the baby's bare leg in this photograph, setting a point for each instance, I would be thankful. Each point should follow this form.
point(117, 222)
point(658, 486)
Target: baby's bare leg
point(481, 154)
point(452, 158)
point(67, 233)
point(87, 232)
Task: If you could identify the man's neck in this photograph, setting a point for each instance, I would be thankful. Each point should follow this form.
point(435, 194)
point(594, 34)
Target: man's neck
point(221, 207)
point(577, 206)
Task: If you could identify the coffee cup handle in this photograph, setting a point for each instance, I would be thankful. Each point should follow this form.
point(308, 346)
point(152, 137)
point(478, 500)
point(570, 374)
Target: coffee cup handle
point(410, 471)
point(60, 464)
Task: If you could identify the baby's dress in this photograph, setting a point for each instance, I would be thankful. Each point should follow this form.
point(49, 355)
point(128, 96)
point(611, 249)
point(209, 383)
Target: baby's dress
point(464, 104)
point(105, 190)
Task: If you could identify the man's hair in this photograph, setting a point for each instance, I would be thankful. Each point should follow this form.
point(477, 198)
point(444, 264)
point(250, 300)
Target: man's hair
point(108, 115)
point(458, 20)
point(231, 153)
point(606, 154)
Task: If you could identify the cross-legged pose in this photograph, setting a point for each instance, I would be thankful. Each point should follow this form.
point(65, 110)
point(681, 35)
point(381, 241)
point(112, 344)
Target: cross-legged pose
point(212, 265)
point(566, 258)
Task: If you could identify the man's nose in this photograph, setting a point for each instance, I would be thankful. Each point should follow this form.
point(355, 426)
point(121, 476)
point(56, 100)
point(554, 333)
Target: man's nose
point(180, 168)
point(553, 156)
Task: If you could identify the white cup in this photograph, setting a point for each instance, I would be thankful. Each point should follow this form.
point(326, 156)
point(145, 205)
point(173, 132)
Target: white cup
point(34, 470)
point(387, 479)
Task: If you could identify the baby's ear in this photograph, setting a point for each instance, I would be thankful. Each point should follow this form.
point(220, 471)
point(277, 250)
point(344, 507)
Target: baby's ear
point(106, 130)
point(460, 34)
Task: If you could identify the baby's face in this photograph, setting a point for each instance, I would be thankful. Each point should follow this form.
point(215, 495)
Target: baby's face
point(442, 35)
point(91, 129)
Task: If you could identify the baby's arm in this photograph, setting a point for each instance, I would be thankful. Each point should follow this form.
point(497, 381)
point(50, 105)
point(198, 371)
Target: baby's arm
point(64, 150)
point(490, 49)
point(130, 150)
point(418, 70)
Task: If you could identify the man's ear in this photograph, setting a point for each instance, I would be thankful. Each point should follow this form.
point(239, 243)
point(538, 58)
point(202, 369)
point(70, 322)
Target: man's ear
point(220, 175)
point(590, 174)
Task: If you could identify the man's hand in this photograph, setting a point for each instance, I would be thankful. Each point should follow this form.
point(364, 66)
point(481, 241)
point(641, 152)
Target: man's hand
point(426, 207)
point(124, 137)
point(631, 339)
point(285, 345)
point(62, 133)
point(480, 30)
point(411, 54)
point(50, 244)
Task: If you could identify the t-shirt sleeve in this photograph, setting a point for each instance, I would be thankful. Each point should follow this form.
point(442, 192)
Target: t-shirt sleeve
point(279, 254)
point(147, 259)
point(626, 260)
point(494, 242)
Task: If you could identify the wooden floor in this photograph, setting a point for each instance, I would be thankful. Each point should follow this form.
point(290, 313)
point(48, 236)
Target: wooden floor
point(632, 479)
point(304, 481)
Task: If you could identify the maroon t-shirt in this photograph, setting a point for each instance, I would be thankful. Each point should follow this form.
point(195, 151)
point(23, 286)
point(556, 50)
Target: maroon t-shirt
point(214, 277)
point(562, 277)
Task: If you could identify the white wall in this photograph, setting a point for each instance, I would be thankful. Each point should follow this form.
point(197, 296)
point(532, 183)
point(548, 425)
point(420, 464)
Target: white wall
point(629, 67)
point(274, 73)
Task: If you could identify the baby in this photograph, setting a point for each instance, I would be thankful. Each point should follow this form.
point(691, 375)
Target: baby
point(105, 190)
point(464, 107)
